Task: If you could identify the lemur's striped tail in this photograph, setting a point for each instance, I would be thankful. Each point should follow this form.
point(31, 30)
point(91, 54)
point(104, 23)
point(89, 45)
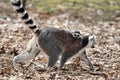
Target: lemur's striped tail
point(24, 16)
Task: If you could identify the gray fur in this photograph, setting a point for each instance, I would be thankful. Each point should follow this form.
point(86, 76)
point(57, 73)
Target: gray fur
point(53, 41)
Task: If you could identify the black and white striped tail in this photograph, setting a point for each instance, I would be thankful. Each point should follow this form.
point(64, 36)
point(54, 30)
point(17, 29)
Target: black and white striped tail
point(24, 16)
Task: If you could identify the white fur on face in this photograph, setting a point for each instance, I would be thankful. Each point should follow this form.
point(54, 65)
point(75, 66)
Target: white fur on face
point(90, 41)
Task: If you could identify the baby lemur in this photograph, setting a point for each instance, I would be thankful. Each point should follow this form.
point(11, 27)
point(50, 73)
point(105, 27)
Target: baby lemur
point(53, 41)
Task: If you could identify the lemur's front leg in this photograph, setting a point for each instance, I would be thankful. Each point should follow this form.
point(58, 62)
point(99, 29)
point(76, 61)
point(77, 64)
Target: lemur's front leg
point(84, 57)
point(30, 53)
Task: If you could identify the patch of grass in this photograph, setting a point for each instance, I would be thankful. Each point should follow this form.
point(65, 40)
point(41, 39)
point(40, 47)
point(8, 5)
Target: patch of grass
point(97, 9)
point(52, 6)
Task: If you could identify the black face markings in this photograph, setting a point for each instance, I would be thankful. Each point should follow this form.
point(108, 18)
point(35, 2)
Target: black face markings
point(85, 41)
point(17, 4)
point(25, 16)
point(93, 39)
point(29, 21)
point(20, 10)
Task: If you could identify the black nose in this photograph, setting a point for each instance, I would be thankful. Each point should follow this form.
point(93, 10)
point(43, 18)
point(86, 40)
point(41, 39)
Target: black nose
point(92, 46)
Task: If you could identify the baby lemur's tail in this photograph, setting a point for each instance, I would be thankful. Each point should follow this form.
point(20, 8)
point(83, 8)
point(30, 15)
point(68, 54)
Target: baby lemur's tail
point(24, 16)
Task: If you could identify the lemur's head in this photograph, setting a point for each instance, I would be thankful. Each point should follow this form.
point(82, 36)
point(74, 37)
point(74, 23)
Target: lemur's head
point(88, 41)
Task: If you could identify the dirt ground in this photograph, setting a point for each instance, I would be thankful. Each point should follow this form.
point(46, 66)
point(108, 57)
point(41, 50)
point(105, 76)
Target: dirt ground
point(14, 35)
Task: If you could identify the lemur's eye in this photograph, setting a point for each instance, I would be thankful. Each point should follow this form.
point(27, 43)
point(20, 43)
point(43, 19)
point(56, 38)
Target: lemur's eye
point(92, 39)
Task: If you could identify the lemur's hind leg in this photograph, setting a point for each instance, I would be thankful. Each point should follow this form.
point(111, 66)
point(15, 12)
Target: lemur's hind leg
point(31, 52)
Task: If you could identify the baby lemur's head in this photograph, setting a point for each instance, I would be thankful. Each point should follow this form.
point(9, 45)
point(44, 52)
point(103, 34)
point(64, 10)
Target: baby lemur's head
point(88, 41)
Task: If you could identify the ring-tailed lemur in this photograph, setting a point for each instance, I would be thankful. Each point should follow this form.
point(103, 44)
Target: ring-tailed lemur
point(53, 41)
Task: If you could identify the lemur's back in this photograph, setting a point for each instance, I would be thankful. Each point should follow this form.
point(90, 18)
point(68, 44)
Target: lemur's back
point(62, 39)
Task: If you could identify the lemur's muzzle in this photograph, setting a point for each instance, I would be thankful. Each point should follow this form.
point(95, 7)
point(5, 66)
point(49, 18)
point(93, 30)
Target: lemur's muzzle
point(92, 46)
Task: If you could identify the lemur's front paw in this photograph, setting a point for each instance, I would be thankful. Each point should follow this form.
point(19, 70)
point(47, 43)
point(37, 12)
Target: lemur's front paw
point(14, 61)
point(92, 69)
